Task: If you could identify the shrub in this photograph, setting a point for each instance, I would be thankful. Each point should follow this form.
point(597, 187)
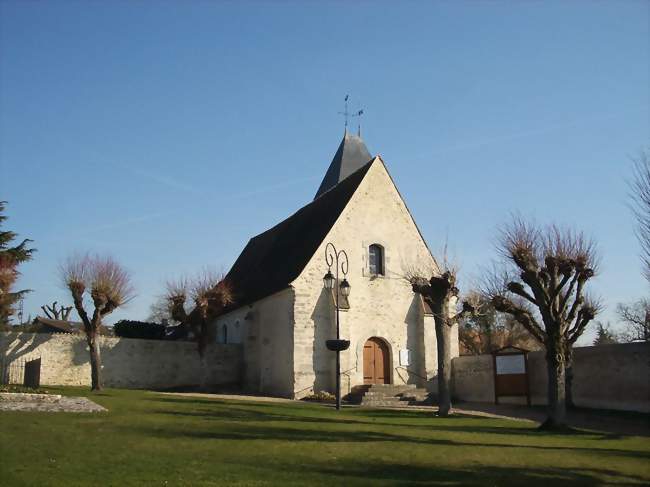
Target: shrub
point(139, 329)
point(22, 389)
point(321, 396)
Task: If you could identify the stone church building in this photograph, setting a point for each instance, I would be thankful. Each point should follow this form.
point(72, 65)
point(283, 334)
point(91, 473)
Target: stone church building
point(283, 314)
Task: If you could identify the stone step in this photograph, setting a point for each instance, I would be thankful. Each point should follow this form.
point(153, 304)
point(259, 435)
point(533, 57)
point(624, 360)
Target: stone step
point(384, 386)
point(386, 404)
point(385, 395)
point(381, 399)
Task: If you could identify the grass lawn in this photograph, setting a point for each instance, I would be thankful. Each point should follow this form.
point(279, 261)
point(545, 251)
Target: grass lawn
point(154, 439)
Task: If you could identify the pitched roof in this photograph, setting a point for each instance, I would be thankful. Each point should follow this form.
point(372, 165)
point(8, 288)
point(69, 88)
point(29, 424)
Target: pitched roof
point(351, 155)
point(273, 259)
point(61, 325)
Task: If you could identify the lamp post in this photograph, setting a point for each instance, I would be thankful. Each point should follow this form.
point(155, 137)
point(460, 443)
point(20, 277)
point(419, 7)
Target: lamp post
point(340, 260)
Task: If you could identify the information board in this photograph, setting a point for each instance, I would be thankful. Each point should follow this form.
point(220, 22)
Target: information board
point(511, 364)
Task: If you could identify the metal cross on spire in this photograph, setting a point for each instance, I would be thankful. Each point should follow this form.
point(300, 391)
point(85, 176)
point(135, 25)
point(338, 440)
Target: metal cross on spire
point(346, 113)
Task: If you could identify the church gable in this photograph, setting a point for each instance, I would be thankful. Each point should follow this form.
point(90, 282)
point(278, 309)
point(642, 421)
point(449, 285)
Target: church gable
point(376, 216)
point(382, 304)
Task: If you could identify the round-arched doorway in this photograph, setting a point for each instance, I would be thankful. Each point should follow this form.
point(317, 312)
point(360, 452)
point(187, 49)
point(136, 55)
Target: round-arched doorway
point(376, 362)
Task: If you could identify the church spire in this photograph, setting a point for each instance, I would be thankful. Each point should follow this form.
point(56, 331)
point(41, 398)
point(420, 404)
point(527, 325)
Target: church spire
point(350, 156)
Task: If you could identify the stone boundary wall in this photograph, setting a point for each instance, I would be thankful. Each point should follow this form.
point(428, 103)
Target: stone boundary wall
point(606, 377)
point(126, 363)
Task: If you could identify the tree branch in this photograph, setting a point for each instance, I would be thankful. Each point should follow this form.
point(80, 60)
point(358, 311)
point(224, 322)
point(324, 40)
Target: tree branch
point(516, 288)
point(521, 315)
point(577, 301)
point(47, 313)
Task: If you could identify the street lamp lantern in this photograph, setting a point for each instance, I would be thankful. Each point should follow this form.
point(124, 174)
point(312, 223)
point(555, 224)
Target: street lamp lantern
point(340, 261)
point(328, 280)
point(345, 288)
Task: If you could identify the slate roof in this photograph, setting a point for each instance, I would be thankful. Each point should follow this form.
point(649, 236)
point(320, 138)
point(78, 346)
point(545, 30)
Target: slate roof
point(351, 155)
point(273, 259)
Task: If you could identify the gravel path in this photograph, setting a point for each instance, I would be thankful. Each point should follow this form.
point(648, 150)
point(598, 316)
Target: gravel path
point(47, 403)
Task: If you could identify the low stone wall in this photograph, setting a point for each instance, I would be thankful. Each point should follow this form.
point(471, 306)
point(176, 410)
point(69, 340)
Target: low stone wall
point(126, 363)
point(608, 377)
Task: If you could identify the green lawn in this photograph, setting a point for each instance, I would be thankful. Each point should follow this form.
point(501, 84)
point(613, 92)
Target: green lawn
point(153, 439)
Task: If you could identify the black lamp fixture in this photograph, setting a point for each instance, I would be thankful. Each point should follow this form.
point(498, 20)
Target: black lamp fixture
point(328, 280)
point(340, 259)
point(344, 287)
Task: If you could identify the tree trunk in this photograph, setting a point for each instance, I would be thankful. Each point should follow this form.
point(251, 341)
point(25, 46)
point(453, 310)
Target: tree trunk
point(443, 338)
point(204, 372)
point(556, 388)
point(569, 380)
point(95, 363)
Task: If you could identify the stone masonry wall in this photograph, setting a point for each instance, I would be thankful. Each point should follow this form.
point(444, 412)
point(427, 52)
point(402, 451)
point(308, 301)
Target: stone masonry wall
point(267, 340)
point(607, 377)
point(126, 363)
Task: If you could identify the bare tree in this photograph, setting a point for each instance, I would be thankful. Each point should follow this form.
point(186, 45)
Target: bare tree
point(57, 313)
point(641, 207)
point(160, 311)
point(108, 285)
point(441, 295)
point(636, 317)
point(210, 294)
point(542, 286)
point(486, 330)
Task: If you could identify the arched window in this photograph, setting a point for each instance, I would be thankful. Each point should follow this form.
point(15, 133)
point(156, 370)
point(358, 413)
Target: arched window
point(376, 260)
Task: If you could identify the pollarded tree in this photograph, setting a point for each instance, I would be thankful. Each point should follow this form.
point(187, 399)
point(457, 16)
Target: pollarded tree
point(108, 285)
point(441, 295)
point(55, 312)
point(542, 286)
point(209, 294)
point(10, 258)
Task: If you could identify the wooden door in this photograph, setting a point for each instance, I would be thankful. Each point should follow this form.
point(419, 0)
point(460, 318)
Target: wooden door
point(375, 362)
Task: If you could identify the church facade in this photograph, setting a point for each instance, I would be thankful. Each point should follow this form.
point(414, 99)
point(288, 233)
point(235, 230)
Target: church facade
point(283, 314)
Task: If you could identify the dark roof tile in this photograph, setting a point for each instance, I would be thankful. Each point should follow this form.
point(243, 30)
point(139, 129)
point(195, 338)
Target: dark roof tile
point(273, 259)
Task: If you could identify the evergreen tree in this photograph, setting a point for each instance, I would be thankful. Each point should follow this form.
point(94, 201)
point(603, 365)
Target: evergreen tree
point(10, 259)
point(604, 336)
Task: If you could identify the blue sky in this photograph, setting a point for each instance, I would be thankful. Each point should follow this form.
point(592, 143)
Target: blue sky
point(168, 133)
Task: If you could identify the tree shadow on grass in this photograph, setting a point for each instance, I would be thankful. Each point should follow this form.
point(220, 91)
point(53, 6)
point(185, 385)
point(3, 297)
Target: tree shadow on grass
point(253, 430)
point(224, 410)
point(396, 474)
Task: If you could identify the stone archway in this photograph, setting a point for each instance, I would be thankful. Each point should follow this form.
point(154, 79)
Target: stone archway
point(376, 361)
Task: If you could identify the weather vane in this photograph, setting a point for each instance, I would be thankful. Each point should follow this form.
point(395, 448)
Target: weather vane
point(346, 113)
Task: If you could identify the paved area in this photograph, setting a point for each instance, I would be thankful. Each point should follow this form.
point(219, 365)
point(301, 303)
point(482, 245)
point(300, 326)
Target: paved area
point(47, 403)
point(231, 397)
point(613, 422)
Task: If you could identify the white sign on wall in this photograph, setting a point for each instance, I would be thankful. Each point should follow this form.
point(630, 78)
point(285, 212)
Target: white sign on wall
point(511, 364)
point(405, 357)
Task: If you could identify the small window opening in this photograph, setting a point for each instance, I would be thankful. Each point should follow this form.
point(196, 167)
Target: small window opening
point(376, 260)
